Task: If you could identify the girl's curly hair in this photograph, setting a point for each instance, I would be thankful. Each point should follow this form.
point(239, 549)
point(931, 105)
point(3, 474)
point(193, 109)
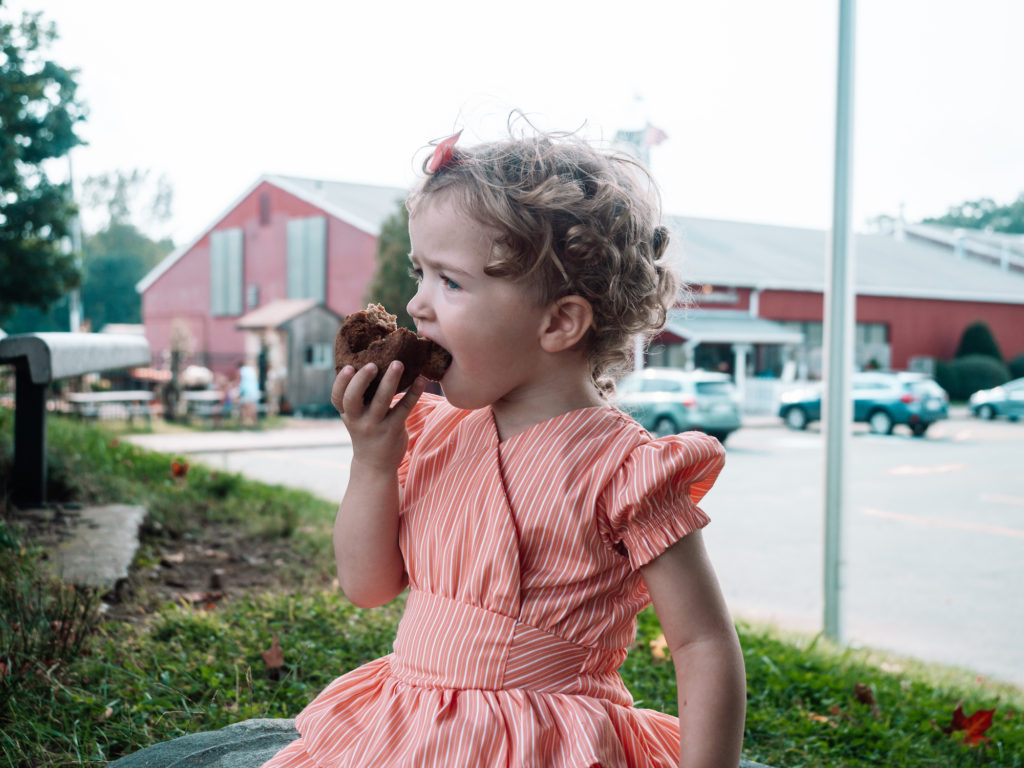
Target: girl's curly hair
point(573, 221)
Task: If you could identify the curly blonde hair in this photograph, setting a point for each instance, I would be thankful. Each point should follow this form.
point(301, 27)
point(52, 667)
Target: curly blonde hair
point(573, 221)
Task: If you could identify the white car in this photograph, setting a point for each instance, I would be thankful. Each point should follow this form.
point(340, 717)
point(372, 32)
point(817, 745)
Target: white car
point(1005, 400)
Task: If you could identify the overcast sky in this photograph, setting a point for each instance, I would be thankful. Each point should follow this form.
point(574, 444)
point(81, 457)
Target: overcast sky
point(214, 93)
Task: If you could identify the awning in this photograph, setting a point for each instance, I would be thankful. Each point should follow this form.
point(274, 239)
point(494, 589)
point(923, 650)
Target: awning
point(726, 327)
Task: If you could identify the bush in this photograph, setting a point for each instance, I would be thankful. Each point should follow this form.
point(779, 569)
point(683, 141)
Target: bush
point(964, 376)
point(977, 339)
point(1017, 367)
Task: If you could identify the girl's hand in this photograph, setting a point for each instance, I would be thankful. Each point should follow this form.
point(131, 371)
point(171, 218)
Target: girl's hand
point(377, 428)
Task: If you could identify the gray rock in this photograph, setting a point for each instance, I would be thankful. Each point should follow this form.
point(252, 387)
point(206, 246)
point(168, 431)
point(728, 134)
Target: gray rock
point(248, 744)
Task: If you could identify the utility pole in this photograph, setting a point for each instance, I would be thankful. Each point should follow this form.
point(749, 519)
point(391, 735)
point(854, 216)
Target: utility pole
point(75, 297)
point(839, 324)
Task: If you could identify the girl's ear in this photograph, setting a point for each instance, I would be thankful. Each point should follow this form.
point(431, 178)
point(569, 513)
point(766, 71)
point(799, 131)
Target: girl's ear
point(567, 321)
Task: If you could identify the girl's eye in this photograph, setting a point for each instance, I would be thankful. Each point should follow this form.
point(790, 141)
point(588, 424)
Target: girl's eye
point(416, 274)
point(450, 284)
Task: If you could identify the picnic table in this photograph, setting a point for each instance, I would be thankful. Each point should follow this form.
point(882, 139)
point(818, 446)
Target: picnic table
point(112, 404)
point(207, 404)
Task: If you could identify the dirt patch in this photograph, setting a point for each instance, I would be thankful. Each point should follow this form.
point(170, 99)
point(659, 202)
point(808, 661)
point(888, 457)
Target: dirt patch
point(209, 565)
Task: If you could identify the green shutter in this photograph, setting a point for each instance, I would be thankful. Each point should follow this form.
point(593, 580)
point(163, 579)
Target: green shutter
point(226, 274)
point(317, 258)
point(296, 259)
point(233, 273)
point(307, 258)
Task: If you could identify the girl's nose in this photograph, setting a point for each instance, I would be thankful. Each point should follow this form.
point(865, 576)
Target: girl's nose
point(417, 305)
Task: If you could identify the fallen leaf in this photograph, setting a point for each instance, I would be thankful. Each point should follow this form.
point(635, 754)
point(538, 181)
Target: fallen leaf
point(273, 659)
point(973, 726)
point(201, 597)
point(863, 694)
point(659, 647)
point(179, 468)
point(173, 558)
point(107, 714)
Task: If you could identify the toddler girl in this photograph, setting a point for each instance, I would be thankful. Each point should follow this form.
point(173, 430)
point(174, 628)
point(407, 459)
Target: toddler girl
point(530, 519)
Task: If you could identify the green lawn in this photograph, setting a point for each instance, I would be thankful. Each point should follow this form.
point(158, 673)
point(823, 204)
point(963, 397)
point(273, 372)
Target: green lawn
point(77, 690)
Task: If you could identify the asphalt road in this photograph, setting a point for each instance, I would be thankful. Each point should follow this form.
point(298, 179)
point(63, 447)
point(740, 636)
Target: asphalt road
point(933, 534)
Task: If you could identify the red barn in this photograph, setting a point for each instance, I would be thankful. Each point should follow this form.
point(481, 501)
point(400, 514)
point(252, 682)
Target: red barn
point(284, 238)
point(758, 296)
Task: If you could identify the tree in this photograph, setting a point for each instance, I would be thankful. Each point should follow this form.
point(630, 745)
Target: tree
point(115, 258)
point(977, 339)
point(119, 255)
point(392, 285)
point(39, 112)
point(985, 214)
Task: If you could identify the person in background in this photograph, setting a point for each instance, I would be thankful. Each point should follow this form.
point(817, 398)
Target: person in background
point(248, 394)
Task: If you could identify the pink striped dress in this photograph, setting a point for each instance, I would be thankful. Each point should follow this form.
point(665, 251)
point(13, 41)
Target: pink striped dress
point(522, 558)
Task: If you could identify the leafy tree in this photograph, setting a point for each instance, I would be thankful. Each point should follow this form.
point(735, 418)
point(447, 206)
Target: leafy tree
point(115, 258)
point(39, 112)
point(985, 214)
point(392, 285)
point(977, 339)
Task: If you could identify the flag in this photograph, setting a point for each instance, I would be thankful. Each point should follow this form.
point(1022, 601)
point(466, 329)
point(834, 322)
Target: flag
point(653, 136)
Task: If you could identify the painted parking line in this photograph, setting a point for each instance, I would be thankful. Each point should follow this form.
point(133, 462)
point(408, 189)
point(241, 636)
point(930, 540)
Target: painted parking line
point(934, 522)
point(996, 498)
point(935, 469)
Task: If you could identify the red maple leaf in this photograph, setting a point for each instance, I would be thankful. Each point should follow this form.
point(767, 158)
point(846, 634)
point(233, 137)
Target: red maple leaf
point(974, 726)
point(179, 469)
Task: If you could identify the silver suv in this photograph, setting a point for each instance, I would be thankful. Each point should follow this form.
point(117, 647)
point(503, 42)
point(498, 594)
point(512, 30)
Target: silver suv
point(666, 401)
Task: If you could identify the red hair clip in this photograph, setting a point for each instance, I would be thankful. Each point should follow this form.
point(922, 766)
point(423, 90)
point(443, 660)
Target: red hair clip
point(443, 153)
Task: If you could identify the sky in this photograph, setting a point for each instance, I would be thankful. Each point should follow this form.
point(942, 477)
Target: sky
point(214, 93)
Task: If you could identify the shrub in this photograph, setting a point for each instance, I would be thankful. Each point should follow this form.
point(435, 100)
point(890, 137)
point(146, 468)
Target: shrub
point(964, 376)
point(977, 339)
point(1017, 367)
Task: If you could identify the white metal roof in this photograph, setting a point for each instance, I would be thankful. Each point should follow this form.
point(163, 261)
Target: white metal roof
point(722, 326)
point(741, 254)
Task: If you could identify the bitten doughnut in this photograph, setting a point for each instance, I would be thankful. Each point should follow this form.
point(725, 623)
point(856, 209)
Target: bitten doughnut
point(372, 336)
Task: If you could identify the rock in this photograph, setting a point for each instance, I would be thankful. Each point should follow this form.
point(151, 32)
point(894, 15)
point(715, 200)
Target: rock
point(247, 744)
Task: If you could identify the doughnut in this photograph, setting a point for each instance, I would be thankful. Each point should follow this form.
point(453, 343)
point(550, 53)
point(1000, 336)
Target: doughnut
point(373, 336)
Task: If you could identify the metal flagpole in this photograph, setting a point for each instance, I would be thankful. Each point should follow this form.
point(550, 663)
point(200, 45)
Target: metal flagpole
point(839, 324)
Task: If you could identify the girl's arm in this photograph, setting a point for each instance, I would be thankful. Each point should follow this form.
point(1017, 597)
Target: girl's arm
point(710, 675)
point(370, 567)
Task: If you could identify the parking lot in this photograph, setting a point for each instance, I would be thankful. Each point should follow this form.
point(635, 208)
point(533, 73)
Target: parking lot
point(933, 533)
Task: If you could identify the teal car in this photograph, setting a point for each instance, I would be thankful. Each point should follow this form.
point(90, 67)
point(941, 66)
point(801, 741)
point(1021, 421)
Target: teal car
point(880, 399)
point(666, 401)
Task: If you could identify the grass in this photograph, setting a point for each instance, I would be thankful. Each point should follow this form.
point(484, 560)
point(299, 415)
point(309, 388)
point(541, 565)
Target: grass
point(108, 688)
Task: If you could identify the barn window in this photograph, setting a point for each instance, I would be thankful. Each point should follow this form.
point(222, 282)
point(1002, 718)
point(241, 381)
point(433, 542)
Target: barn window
point(264, 209)
point(319, 355)
point(226, 272)
point(307, 258)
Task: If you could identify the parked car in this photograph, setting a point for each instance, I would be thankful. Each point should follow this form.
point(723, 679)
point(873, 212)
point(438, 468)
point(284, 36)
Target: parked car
point(1004, 400)
point(666, 401)
point(880, 399)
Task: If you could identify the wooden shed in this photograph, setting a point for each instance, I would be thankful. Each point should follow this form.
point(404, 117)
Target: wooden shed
point(291, 342)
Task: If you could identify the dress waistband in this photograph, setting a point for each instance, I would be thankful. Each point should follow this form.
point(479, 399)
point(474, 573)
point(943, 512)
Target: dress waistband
point(446, 643)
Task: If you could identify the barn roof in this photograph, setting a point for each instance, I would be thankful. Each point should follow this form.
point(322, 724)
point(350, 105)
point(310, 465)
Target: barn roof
point(278, 312)
point(741, 254)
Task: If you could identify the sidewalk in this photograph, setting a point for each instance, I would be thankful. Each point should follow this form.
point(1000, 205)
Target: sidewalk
point(299, 435)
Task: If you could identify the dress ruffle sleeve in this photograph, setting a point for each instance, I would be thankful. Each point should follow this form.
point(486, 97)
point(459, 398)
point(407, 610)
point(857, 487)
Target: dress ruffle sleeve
point(651, 500)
